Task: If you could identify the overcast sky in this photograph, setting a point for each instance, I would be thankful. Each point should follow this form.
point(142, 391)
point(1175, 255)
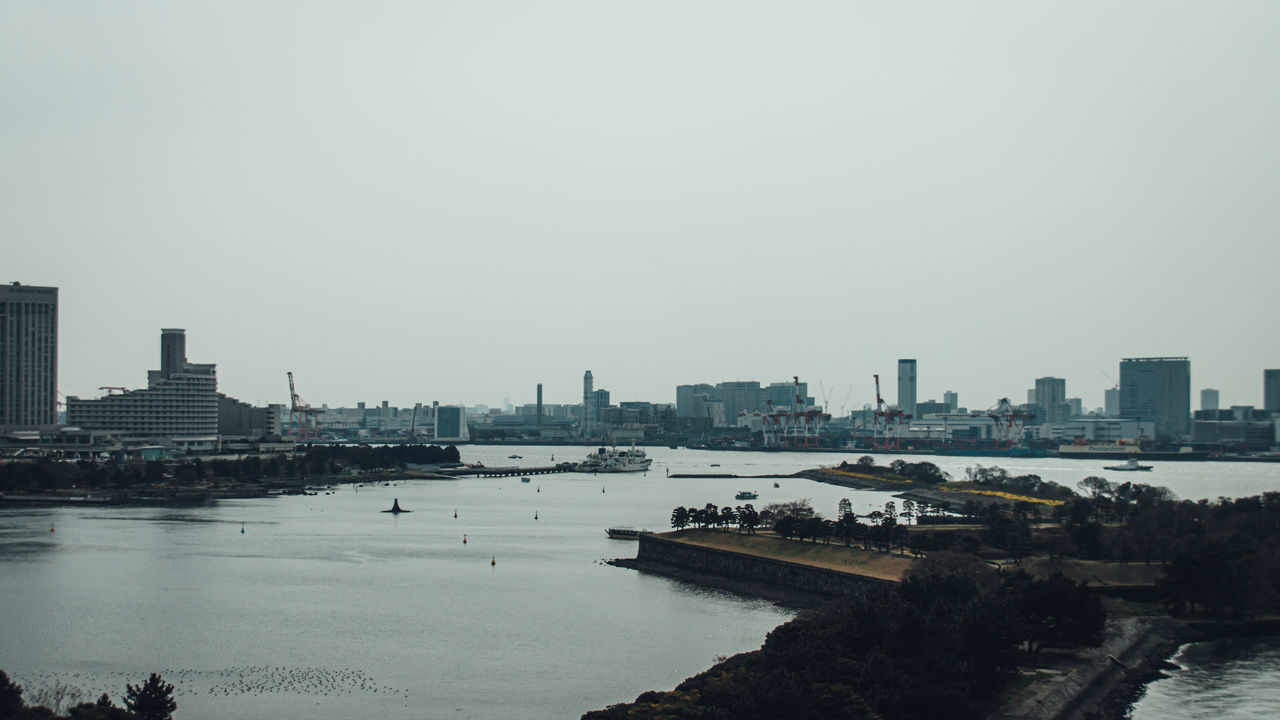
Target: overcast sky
point(455, 201)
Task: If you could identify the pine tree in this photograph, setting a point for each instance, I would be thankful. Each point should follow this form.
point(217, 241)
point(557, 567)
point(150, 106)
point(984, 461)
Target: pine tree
point(152, 701)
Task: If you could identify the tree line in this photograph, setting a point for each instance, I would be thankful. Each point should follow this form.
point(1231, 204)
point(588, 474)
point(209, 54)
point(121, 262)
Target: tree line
point(152, 700)
point(306, 461)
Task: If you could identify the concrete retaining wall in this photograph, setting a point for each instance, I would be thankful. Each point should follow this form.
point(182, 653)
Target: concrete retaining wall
point(725, 563)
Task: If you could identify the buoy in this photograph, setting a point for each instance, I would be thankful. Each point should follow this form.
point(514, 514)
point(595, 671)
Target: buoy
point(241, 528)
point(535, 514)
point(455, 513)
point(539, 488)
point(50, 528)
point(602, 488)
point(493, 561)
point(464, 539)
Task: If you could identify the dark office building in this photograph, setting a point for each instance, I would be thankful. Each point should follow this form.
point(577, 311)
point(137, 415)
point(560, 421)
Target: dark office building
point(1158, 390)
point(28, 355)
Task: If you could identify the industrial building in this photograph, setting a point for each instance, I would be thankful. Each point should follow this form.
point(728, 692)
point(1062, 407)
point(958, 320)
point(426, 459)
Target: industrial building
point(28, 355)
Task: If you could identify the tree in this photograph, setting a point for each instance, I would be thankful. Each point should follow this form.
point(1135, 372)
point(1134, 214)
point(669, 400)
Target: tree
point(727, 516)
point(151, 701)
point(748, 519)
point(680, 518)
point(11, 702)
point(844, 507)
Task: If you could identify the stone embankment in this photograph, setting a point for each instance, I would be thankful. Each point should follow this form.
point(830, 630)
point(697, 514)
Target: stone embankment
point(750, 568)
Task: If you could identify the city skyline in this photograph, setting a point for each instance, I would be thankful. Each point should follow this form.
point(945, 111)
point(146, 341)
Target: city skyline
point(459, 204)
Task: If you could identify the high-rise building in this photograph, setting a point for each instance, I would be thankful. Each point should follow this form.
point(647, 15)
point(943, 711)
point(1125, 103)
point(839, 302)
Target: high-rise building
point(1271, 391)
point(181, 399)
point(588, 403)
point(685, 395)
point(1209, 399)
point(952, 399)
point(907, 386)
point(1111, 402)
point(1051, 396)
point(1158, 390)
point(28, 355)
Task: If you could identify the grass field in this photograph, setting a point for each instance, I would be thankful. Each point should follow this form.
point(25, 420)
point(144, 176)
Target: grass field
point(882, 566)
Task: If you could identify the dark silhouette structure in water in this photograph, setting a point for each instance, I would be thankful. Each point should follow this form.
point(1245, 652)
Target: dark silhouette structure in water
point(395, 508)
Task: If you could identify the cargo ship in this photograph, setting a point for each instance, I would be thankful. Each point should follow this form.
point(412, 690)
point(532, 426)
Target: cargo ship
point(1124, 452)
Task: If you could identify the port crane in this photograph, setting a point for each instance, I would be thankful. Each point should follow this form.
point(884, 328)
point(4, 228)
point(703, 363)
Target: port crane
point(303, 419)
point(887, 423)
point(800, 428)
point(1009, 423)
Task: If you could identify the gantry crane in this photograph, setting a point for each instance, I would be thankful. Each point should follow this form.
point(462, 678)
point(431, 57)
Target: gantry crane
point(303, 419)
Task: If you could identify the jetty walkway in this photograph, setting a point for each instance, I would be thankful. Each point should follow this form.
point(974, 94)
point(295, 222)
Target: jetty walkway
point(507, 471)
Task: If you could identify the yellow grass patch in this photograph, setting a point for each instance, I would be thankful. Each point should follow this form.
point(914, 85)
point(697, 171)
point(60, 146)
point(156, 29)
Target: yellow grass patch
point(1001, 494)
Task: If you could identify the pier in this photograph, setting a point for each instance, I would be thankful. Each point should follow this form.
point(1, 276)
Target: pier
point(507, 471)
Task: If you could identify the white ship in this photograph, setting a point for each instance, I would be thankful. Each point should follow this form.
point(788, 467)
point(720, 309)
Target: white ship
point(612, 460)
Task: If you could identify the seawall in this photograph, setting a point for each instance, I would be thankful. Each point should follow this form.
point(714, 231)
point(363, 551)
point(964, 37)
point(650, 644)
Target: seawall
point(750, 568)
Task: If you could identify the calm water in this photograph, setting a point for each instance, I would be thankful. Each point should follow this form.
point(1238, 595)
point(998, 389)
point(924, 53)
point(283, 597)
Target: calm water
point(324, 607)
point(1224, 680)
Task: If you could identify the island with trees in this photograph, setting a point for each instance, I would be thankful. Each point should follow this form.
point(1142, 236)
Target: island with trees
point(981, 593)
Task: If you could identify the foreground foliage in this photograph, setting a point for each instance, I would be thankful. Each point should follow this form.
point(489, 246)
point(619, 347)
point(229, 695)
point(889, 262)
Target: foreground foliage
point(938, 645)
point(152, 700)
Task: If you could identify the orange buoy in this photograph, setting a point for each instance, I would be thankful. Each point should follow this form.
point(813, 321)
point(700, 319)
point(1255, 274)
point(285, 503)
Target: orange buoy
point(50, 528)
point(493, 560)
point(464, 539)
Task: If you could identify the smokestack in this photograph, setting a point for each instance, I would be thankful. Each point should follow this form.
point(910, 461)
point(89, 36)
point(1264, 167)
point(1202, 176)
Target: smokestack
point(539, 420)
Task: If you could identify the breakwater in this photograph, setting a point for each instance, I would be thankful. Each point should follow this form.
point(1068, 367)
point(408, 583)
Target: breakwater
point(750, 568)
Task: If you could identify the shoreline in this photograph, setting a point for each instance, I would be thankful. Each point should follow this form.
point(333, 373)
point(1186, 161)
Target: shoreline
point(1101, 683)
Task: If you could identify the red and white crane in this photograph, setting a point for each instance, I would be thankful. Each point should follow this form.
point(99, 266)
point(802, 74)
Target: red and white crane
point(887, 423)
point(303, 419)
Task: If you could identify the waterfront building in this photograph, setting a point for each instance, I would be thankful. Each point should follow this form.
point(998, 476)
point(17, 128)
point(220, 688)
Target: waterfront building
point(450, 423)
point(1271, 391)
point(240, 419)
point(28, 355)
point(1158, 390)
point(952, 400)
point(907, 386)
point(1208, 399)
point(1075, 406)
point(179, 402)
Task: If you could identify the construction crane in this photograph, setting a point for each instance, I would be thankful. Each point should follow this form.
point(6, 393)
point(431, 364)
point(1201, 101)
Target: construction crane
point(887, 422)
point(303, 419)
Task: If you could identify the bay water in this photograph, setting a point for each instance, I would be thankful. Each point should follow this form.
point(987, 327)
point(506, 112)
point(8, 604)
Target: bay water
point(326, 607)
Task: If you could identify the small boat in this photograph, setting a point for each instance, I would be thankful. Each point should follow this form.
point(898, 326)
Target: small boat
point(776, 485)
point(1127, 467)
point(524, 479)
point(514, 457)
point(625, 533)
point(715, 464)
point(746, 495)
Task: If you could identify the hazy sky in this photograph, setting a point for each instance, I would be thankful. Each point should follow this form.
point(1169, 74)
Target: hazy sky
point(425, 201)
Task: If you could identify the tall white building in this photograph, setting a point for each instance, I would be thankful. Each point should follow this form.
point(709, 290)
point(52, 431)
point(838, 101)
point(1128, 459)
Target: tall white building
point(952, 400)
point(907, 386)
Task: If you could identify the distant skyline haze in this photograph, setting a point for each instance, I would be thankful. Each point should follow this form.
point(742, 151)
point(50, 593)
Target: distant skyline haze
point(457, 201)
